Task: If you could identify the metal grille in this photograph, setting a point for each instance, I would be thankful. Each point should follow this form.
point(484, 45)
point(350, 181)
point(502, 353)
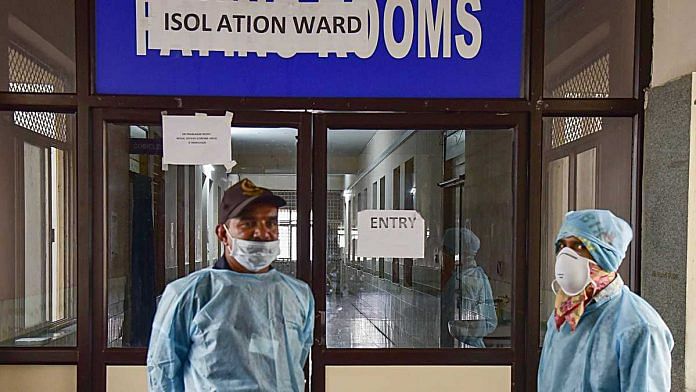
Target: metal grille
point(591, 82)
point(335, 212)
point(52, 125)
point(116, 312)
point(334, 208)
point(115, 330)
point(28, 75)
point(290, 197)
point(287, 262)
point(566, 130)
point(334, 205)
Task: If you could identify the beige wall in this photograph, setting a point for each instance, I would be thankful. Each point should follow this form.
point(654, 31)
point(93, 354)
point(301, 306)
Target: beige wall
point(126, 379)
point(38, 378)
point(674, 46)
point(365, 378)
point(690, 349)
point(418, 378)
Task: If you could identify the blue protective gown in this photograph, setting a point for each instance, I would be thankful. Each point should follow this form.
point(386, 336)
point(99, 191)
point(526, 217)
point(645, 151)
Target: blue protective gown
point(219, 330)
point(620, 344)
point(478, 304)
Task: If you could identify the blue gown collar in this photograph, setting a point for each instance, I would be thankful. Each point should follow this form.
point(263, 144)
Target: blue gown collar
point(610, 292)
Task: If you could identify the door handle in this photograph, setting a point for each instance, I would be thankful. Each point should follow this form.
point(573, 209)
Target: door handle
point(320, 319)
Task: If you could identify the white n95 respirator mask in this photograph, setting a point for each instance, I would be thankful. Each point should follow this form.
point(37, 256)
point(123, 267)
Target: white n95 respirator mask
point(572, 272)
point(254, 256)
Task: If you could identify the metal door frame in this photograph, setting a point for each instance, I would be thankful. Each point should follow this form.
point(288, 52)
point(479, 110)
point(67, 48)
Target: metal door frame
point(101, 355)
point(525, 246)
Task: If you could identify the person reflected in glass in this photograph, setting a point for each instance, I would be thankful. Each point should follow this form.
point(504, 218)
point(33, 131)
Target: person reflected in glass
point(240, 325)
point(477, 315)
point(600, 336)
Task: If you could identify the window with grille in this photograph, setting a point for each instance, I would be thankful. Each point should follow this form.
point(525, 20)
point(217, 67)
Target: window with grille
point(591, 82)
point(566, 130)
point(29, 75)
point(287, 226)
point(335, 210)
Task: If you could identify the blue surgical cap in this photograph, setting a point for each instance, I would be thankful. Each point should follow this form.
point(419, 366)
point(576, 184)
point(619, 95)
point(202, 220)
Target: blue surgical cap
point(470, 243)
point(604, 235)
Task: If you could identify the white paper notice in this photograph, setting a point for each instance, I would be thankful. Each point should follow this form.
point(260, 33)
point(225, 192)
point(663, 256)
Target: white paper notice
point(391, 233)
point(197, 140)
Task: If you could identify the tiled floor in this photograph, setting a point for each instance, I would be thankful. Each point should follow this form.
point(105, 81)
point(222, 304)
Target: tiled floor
point(375, 313)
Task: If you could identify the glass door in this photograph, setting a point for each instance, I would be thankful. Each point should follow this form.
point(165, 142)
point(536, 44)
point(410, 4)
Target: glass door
point(158, 222)
point(466, 177)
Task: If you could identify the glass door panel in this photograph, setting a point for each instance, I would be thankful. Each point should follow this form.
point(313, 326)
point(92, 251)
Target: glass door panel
point(160, 223)
point(458, 295)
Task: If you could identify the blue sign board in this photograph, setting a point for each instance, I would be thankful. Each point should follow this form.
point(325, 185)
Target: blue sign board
point(320, 49)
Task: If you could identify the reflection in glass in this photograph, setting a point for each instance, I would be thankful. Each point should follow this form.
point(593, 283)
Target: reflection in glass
point(160, 223)
point(475, 304)
point(37, 286)
point(458, 295)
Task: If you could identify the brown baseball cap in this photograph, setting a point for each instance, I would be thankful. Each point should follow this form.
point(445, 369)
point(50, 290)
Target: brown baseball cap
point(242, 194)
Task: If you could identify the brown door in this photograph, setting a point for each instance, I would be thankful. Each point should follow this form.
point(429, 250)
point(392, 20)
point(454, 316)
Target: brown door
point(587, 165)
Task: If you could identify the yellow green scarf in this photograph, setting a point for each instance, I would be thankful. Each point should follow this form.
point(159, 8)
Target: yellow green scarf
point(570, 309)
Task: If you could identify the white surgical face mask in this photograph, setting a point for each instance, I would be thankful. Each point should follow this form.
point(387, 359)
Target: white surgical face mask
point(254, 256)
point(572, 272)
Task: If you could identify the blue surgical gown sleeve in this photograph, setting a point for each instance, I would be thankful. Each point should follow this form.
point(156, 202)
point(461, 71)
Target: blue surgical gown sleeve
point(308, 332)
point(170, 342)
point(488, 307)
point(644, 359)
point(477, 297)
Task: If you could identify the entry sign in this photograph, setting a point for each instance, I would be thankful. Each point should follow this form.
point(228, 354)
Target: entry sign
point(391, 233)
point(197, 140)
point(316, 48)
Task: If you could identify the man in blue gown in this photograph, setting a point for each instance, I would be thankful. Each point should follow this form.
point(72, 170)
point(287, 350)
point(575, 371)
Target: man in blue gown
point(601, 336)
point(241, 325)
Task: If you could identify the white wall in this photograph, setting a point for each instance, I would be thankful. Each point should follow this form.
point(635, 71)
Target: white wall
point(674, 46)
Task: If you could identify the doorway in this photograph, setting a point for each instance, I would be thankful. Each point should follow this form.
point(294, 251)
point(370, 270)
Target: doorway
point(156, 221)
point(400, 311)
point(587, 164)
